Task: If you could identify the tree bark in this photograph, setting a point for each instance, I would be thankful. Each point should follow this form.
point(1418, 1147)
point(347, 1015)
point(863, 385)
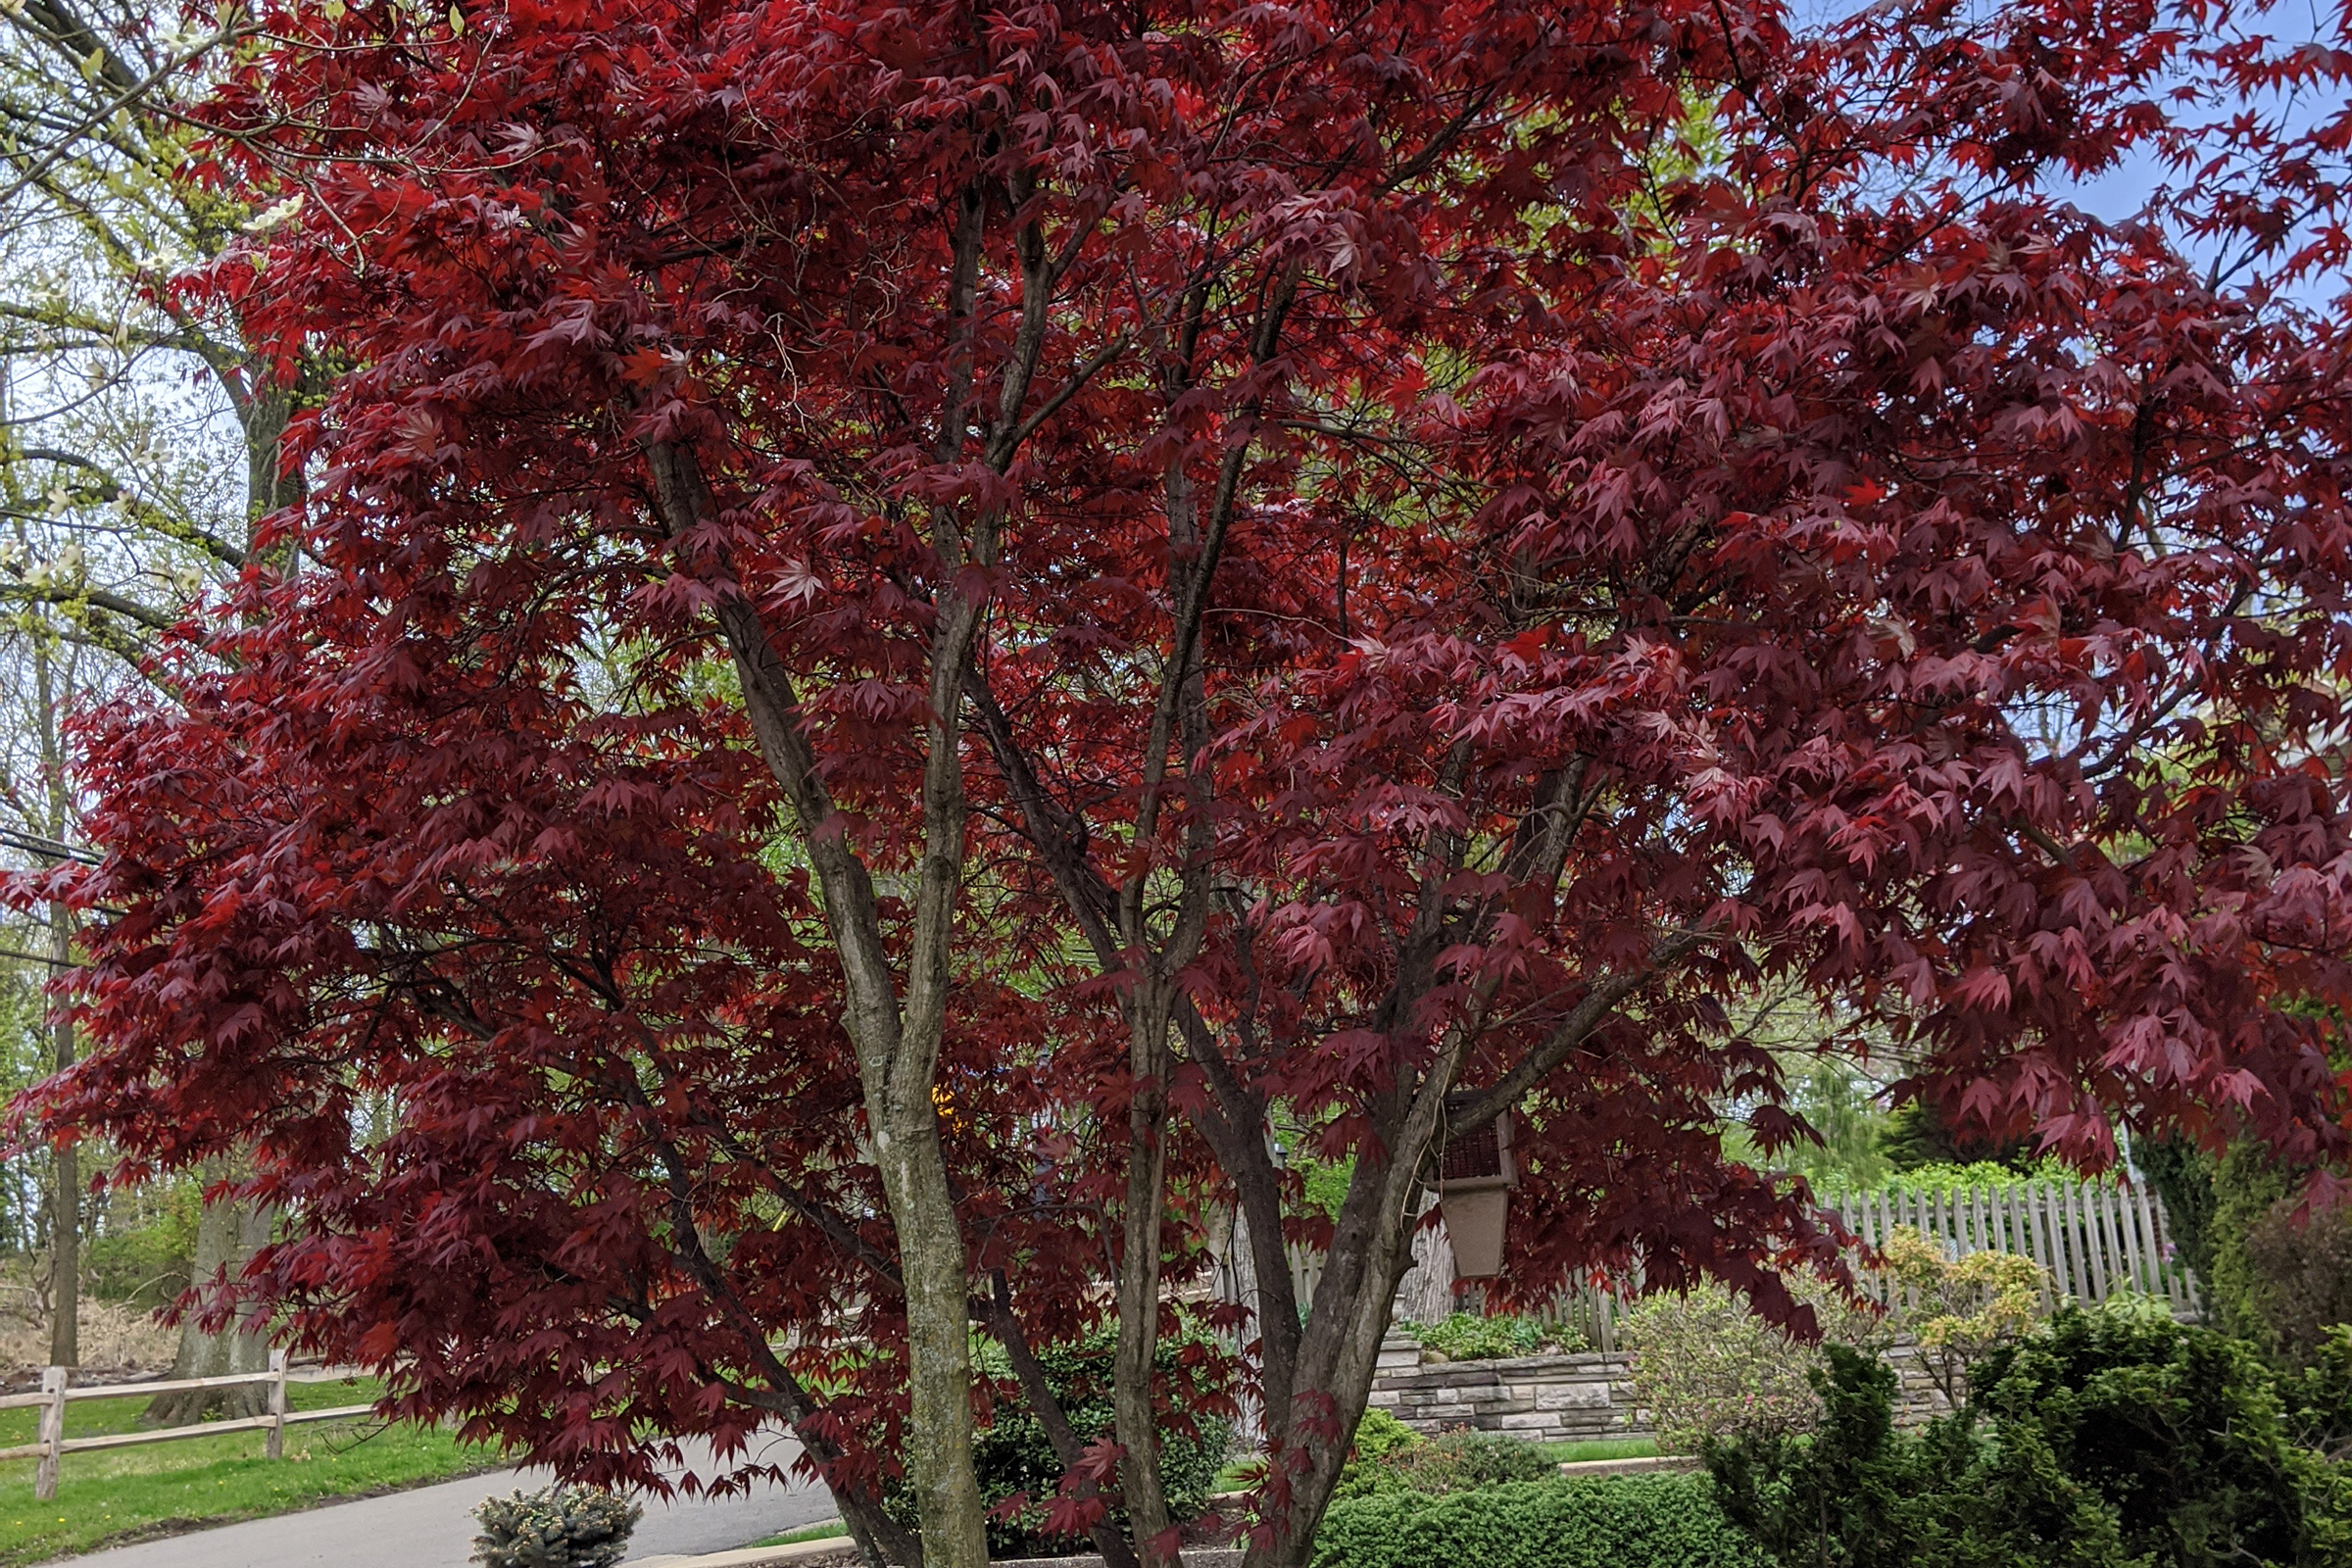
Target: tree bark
point(1132, 1407)
point(64, 1196)
point(64, 1192)
point(228, 1233)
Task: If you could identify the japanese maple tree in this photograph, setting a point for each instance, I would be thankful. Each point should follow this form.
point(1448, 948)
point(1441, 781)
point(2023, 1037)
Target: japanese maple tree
point(923, 624)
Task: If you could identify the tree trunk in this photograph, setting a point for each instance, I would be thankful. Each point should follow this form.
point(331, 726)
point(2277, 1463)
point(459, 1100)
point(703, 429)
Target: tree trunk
point(64, 1193)
point(1132, 1410)
point(65, 1196)
point(228, 1233)
point(896, 1039)
point(1338, 1355)
point(934, 1271)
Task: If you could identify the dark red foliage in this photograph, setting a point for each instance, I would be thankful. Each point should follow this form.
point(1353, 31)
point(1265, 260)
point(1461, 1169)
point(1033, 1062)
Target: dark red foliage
point(1506, 529)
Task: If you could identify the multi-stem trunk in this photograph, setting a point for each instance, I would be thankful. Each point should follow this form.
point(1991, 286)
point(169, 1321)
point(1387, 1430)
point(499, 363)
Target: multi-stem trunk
point(1371, 1246)
point(896, 1037)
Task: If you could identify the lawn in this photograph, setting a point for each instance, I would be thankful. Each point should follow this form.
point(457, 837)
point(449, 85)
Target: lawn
point(828, 1530)
point(1600, 1448)
point(129, 1493)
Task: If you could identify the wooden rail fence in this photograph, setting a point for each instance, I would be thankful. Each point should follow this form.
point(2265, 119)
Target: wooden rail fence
point(57, 1392)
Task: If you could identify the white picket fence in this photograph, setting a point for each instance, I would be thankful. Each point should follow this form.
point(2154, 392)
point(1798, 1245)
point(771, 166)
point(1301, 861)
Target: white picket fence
point(2096, 1240)
point(57, 1392)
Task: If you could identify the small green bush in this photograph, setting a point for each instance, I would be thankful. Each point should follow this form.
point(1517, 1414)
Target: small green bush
point(1379, 1434)
point(1610, 1522)
point(1475, 1336)
point(560, 1527)
point(1016, 1460)
point(1455, 1461)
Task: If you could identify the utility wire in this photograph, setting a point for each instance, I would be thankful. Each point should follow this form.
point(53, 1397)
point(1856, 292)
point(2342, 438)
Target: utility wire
point(47, 848)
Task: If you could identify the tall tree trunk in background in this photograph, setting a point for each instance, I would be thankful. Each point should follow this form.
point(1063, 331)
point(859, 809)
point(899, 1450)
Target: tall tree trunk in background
point(226, 1235)
point(64, 1196)
point(65, 1190)
point(228, 1232)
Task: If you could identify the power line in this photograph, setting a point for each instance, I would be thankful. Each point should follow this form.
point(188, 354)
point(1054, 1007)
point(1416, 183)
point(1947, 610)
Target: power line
point(47, 848)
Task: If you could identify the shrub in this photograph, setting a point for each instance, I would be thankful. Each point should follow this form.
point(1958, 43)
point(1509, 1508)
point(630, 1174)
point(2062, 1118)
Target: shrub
point(1380, 1433)
point(1708, 1368)
point(2115, 1439)
point(2276, 1277)
point(2182, 1431)
point(1475, 1336)
point(2301, 1273)
point(560, 1527)
point(1454, 1461)
point(1017, 1464)
point(1960, 1309)
point(1613, 1522)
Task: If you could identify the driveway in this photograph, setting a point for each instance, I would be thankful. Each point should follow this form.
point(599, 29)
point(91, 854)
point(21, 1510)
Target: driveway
point(432, 1527)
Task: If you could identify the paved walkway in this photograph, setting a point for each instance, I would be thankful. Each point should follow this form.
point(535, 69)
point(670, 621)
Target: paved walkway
point(433, 1526)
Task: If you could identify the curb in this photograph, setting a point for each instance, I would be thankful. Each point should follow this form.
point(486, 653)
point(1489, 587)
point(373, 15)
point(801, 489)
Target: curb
point(803, 1551)
point(748, 1556)
point(1209, 1557)
point(1630, 1467)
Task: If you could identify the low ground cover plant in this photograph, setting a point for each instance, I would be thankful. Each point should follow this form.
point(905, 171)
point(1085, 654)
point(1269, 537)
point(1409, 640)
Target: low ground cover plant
point(1476, 1336)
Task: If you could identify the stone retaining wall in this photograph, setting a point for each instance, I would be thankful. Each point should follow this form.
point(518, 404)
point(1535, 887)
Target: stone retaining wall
point(1556, 1399)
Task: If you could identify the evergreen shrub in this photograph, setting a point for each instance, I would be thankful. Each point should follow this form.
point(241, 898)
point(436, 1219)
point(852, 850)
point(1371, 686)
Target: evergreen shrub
point(2113, 1438)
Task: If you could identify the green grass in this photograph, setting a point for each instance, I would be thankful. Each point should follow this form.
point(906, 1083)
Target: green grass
point(1239, 1475)
point(145, 1491)
point(1600, 1448)
point(831, 1531)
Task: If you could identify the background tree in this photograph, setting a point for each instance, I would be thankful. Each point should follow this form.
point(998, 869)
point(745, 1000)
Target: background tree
point(141, 445)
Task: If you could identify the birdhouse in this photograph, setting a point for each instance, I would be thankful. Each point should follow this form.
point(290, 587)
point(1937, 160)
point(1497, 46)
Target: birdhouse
point(1475, 1178)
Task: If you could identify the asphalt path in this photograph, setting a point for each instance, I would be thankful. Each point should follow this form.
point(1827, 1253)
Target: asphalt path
point(433, 1526)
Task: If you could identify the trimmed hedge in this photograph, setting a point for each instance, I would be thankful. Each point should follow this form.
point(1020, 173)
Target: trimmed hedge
point(1656, 1521)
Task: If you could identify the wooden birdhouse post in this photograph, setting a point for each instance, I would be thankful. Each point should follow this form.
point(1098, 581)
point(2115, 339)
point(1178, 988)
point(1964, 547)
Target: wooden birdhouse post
point(1475, 1178)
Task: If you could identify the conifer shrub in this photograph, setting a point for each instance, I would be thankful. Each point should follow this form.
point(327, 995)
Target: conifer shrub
point(2112, 1439)
point(557, 1527)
